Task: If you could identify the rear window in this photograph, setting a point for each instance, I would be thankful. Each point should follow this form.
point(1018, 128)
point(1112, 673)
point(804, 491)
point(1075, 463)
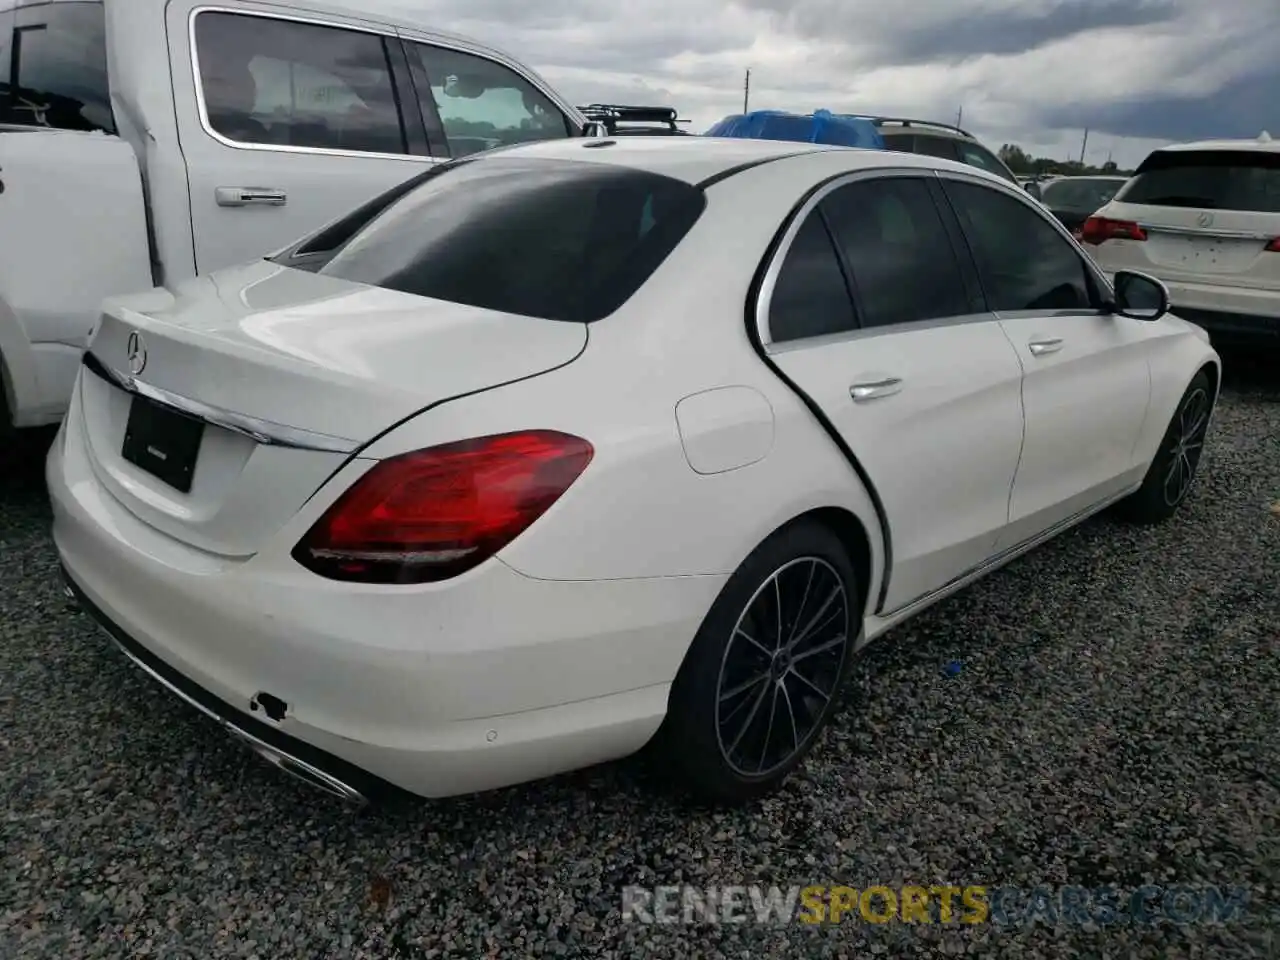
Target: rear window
point(1214, 180)
point(556, 240)
point(1083, 195)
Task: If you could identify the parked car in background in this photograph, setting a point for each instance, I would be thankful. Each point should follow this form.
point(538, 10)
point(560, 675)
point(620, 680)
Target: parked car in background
point(870, 132)
point(1204, 217)
point(1074, 199)
point(562, 448)
point(145, 141)
point(948, 142)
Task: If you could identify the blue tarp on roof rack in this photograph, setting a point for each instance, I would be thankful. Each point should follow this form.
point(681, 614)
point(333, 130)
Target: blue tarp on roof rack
point(821, 126)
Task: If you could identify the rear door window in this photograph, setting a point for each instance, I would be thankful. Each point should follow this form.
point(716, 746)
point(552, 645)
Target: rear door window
point(557, 240)
point(53, 58)
point(903, 265)
point(1210, 179)
point(272, 81)
point(810, 297)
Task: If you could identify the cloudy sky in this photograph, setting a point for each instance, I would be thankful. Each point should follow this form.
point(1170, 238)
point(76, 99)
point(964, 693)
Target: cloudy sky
point(1035, 72)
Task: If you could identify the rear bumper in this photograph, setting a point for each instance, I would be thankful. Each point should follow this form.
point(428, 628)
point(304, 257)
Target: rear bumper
point(445, 689)
point(1227, 329)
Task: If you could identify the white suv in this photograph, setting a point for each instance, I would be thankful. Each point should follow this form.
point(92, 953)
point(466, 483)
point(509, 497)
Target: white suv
point(1204, 218)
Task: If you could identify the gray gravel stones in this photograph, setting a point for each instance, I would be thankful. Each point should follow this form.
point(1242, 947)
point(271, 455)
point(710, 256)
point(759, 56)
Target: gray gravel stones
point(1113, 720)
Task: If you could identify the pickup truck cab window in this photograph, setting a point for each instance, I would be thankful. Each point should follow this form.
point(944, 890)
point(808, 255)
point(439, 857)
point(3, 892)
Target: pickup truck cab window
point(272, 81)
point(53, 58)
point(483, 104)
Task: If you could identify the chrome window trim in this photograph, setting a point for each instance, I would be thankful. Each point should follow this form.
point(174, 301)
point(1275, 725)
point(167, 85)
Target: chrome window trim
point(408, 34)
point(764, 298)
point(265, 432)
point(992, 182)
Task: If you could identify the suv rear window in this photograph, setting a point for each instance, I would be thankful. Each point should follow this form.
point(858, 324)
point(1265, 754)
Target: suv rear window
point(1212, 179)
point(556, 240)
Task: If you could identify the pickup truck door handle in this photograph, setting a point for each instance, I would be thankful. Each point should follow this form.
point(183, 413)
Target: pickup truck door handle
point(865, 390)
point(250, 196)
point(1039, 348)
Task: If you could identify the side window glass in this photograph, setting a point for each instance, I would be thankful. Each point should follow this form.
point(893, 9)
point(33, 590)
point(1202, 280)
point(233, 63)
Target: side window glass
point(278, 82)
point(483, 104)
point(810, 297)
point(55, 67)
point(1024, 263)
point(983, 159)
point(893, 238)
point(936, 147)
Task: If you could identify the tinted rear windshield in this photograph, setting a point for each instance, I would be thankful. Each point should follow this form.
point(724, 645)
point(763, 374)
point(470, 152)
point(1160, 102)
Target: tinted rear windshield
point(1216, 180)
point(557, 240)
point(1084, 195)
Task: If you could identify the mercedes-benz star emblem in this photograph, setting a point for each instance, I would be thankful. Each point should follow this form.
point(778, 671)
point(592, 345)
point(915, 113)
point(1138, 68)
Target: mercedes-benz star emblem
point(136, 350)
point(1205, 219)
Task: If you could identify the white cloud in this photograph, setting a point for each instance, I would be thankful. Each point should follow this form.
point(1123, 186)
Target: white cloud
point(1029, 71)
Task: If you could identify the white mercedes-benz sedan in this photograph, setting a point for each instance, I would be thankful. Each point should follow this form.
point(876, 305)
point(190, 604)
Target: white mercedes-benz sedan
point(559, 450)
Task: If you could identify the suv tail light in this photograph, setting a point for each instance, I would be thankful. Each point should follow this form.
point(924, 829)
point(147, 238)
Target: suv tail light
point(1274, 246)
point(1098, 230)
point(435, 513)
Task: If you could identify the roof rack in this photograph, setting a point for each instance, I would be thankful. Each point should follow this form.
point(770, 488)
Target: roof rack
point(612, 114)
point(878, 121)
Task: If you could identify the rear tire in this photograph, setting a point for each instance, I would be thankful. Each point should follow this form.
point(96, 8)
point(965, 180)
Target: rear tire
point(1172, 472)
point(763, 674)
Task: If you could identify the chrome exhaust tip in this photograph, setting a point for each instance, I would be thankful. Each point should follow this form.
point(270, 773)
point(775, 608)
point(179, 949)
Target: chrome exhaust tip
point(301, 770)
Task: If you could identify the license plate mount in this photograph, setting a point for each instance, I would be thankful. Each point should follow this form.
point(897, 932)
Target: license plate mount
point(163, 442)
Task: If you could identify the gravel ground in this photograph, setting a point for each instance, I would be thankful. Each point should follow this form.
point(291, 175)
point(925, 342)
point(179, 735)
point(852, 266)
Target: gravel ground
point(1112, 720)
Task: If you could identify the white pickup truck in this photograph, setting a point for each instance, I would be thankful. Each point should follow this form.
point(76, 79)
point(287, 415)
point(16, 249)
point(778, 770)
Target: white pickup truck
point(145, 141)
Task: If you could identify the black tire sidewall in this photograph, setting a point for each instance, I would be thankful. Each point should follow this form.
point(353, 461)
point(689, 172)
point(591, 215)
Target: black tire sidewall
point(1148, 505)
point(691, 741)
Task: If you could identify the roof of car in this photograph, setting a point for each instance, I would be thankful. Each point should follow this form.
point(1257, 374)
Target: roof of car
point(1262, 144)
point(694, 159)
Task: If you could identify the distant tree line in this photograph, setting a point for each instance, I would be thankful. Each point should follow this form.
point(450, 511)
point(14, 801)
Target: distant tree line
point(1025, 165)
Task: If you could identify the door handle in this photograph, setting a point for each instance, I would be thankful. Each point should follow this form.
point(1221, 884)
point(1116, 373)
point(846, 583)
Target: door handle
point(872, 389)
point(250, 196)
point(1039, 348)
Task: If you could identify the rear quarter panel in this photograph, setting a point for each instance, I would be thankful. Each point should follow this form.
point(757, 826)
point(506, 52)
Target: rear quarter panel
point(640, 509)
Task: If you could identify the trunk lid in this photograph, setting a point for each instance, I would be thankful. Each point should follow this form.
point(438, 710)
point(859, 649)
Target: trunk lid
point(289, 373)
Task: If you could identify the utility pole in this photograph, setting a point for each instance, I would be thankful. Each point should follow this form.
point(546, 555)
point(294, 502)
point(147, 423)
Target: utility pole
point(746, 90)
point(1084, 145)
point(960, 115)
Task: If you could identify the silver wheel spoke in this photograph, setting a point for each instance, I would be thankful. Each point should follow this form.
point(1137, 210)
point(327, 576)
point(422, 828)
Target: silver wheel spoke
point(791, 712)
point(777, 602)
point(793, 672)
point(768, 732)
point(754, 642)
point(810, 628)
point(821, 648)
point(742, 688)
point(804, 601)
point(755, 708)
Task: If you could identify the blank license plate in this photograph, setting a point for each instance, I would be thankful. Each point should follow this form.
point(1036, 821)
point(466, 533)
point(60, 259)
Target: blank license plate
point(162, 442)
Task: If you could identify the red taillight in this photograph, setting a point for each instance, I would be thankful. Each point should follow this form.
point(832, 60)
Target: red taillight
point(1274, 246)
point(1098, 230)
point(436, 513)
